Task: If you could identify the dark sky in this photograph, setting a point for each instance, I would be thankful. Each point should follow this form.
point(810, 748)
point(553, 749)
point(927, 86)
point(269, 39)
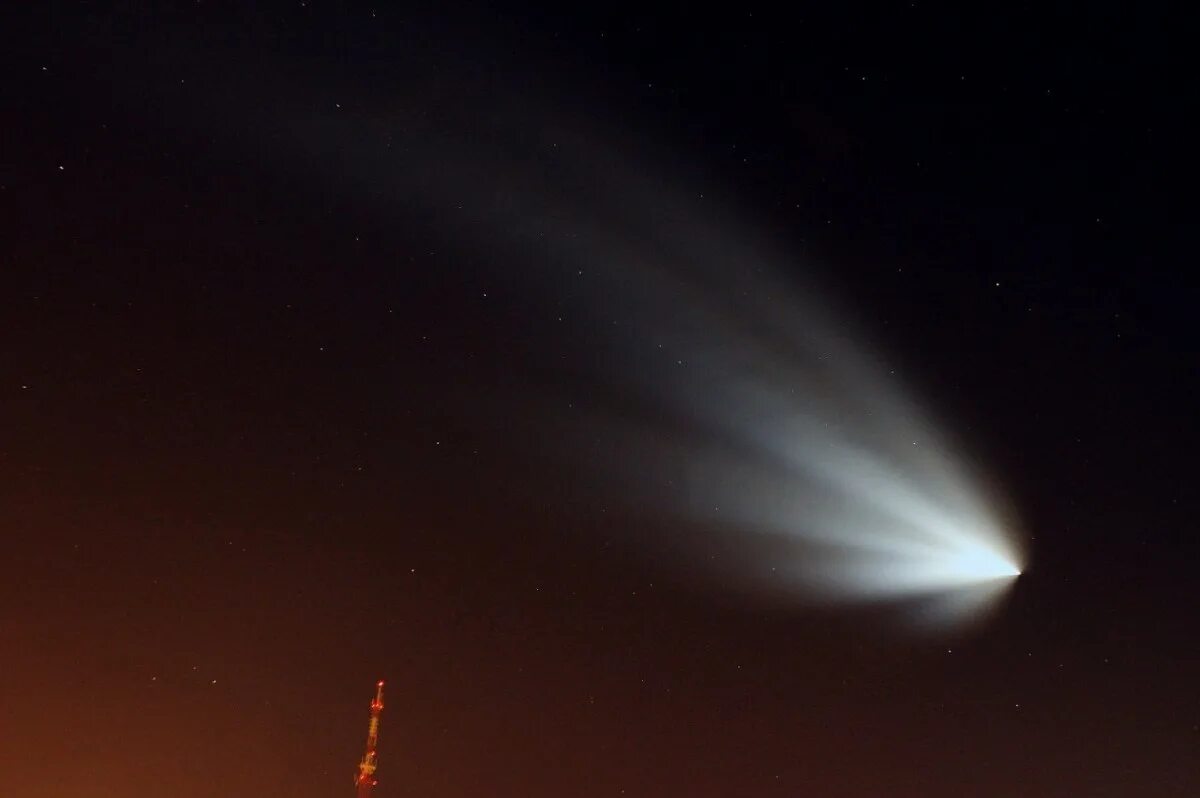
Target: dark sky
point(273, 413)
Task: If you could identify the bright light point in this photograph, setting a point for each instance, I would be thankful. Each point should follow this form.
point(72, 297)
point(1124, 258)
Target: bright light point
point(981, 565)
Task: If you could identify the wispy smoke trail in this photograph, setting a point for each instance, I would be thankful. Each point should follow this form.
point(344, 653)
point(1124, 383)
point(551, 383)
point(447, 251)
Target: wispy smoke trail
point(728, 395)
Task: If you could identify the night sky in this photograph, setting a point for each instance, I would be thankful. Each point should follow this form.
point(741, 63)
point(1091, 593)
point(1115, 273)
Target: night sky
point(345, 342)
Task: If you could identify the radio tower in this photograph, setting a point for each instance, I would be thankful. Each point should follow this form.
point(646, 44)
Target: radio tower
point(365, 780)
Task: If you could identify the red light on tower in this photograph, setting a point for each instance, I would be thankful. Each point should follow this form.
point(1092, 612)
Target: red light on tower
point(365, 780)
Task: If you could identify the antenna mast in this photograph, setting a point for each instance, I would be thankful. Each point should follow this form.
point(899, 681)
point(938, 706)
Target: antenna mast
point(365, 780)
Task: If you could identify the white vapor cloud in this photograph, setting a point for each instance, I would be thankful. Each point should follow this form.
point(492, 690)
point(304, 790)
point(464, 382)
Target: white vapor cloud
point(730, 398)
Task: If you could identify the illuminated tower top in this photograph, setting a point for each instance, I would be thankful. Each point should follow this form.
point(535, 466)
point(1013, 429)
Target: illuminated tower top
point(365, 780)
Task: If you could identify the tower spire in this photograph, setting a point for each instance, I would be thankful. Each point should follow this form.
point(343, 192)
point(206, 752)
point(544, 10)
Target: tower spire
point(365, 780)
